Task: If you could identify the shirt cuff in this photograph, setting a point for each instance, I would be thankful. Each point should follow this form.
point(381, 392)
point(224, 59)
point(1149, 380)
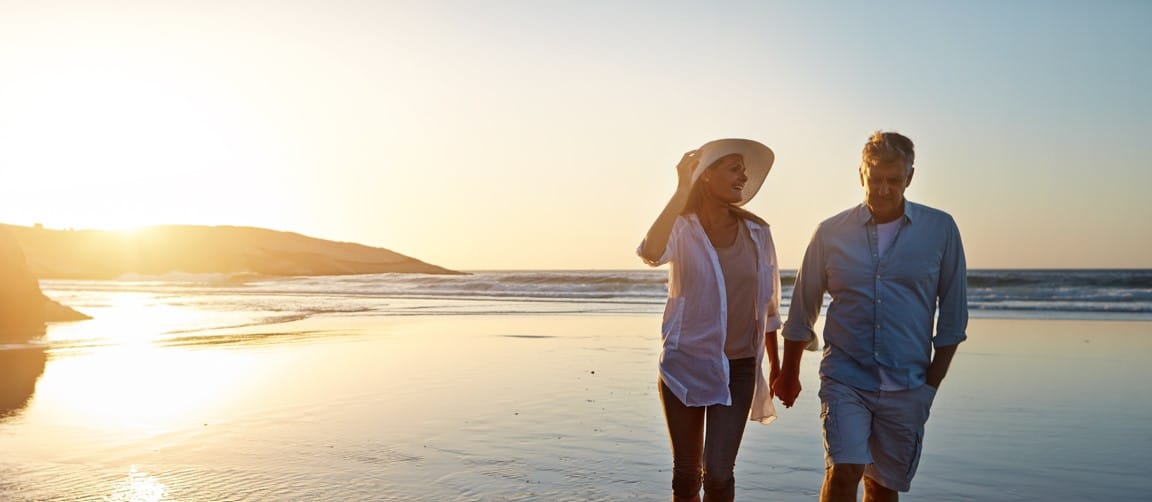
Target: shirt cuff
point(774, 324)
point(797, 333)
point(948, 339)
point(663, 258)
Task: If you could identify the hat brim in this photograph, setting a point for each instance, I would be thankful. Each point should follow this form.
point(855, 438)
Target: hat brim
point(758, 161)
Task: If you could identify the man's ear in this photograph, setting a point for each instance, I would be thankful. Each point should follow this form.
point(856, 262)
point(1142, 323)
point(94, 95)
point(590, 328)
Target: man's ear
point(911, 171)
point(861, 171)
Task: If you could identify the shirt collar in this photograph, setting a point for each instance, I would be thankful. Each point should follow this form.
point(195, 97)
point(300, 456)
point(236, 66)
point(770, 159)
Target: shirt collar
point(863, 215)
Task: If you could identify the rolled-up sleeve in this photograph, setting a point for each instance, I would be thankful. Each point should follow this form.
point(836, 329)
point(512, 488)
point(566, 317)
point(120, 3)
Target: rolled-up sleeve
point(666, 256)
point(663, 258)
point(807, 294)
point(952, 322)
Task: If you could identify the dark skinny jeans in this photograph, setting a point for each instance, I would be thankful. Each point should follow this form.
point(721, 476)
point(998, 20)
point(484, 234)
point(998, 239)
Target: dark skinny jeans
point(705, 438)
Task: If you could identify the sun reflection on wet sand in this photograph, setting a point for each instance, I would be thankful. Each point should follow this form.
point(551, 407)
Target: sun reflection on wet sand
point(126, 318)
point(118, 378)
point(138, 487)
point(138, 389)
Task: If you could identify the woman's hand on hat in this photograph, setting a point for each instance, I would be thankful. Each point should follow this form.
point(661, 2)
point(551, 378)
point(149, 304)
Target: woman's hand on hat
point(686, 167)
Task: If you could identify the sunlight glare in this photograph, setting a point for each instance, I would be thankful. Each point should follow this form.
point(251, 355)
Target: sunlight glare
point(122, 145)
point(138, 391)
point(139, 487)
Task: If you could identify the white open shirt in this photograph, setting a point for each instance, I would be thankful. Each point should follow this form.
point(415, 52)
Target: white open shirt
point(692, 363)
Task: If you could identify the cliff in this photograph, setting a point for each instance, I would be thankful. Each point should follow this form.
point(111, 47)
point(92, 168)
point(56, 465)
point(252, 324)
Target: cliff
point(106, 254)
point(23, 307)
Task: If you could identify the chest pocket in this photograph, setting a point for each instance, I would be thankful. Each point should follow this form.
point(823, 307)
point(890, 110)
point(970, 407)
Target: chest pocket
point(916, 267)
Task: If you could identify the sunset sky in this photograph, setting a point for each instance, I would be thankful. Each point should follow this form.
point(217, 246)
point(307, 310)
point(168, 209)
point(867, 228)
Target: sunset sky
point(544, 134)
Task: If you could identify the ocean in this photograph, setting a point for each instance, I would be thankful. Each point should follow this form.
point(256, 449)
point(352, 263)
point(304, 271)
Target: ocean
point(184, 308)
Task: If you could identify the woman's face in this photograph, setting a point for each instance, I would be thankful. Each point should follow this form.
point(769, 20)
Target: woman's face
point(724, 179)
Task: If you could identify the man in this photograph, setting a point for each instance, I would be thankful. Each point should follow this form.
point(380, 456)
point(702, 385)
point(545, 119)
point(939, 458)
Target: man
point(887, 264)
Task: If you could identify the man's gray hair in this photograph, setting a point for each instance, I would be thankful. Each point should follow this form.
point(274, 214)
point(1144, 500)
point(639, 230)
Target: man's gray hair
point(887, 147)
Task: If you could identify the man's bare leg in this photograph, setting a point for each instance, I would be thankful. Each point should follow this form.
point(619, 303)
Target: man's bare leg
point(876, 492)
point(841, 482)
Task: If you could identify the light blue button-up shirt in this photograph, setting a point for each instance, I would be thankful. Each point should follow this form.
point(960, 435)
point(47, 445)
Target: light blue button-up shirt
point(883, 307)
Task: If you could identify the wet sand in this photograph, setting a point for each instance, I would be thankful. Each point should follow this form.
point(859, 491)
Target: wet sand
point(538, 407)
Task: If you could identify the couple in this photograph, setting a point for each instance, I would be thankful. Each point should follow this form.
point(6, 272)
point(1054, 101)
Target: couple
point(887, 263)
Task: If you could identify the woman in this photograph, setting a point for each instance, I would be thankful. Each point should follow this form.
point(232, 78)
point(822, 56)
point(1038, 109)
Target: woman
point(722, 312)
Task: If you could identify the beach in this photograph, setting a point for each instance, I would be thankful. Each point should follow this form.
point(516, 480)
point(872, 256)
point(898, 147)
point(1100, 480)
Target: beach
point(543, 406)
point(388, 251)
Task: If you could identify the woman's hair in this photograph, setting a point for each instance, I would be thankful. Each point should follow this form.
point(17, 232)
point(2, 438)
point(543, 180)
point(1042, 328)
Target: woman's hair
point(747, 215)
point(695, 197)
point(888, 147)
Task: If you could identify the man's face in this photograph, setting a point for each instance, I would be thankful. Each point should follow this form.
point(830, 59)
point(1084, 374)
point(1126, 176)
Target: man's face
point(884, 185)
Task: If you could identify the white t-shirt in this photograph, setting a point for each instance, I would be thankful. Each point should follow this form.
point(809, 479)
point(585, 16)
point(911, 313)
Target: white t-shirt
point(886, 234)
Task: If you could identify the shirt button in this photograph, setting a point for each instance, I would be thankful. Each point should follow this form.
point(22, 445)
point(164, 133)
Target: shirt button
point(877, 326)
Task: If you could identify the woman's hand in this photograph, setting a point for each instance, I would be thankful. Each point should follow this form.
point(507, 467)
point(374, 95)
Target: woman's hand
point(773, 374)
point(772, 347)
point(656, 240)
point(686, 167)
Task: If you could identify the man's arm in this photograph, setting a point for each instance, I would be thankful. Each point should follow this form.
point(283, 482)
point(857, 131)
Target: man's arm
point(952, 322)
point(799, 330)
point(952, 293)
point(939, 367)
point(787, 385)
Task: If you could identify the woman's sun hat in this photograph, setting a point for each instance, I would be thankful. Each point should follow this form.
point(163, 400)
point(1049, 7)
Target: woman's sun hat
point(758, 161)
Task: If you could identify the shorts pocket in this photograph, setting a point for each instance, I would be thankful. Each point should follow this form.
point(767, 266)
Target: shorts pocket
point(915, 458)
point(929, 398)
point(828, 429)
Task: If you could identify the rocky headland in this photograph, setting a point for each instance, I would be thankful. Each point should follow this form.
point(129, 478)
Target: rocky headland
point(158, 250)
point(28, 254)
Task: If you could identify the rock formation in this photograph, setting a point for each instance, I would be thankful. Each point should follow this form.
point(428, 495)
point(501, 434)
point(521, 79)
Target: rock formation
point(158, 250)
point(23, 307)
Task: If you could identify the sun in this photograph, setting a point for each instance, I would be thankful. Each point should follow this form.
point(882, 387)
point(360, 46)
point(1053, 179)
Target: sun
point(102, 142)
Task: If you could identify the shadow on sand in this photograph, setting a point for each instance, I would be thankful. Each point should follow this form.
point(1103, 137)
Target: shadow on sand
point(20, 368)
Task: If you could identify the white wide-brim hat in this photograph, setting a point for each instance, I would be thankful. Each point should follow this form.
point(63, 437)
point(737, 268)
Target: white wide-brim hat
point(758, 161)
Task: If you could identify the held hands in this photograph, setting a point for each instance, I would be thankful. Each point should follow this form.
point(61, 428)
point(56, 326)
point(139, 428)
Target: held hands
point(786, 386)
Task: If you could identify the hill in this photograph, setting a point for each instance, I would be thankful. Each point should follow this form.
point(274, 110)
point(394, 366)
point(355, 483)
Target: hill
point(157, 250)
